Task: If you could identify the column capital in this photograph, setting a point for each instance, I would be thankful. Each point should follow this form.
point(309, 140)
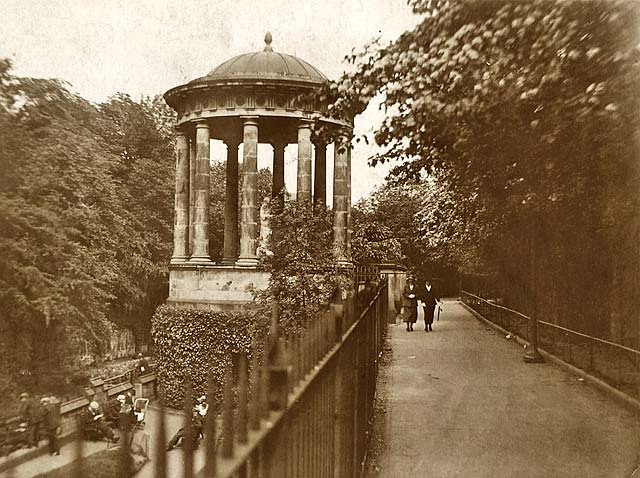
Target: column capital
point(305, 123)
point(279, 143)
point(232, 142)
point(180, 131)
point(250, 119)
point(202, 124)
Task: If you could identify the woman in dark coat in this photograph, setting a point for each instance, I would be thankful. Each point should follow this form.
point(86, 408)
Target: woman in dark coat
point(410, 303)
point(429, 300)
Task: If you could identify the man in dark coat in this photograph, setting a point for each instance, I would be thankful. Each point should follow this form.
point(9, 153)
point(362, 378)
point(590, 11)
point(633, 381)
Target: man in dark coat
point(111, 410)
point(31, 413)
point(429, 300)
point(197, 424)
point(142, 367)
point(92, 423)
point(410, 302)
point(51, 423)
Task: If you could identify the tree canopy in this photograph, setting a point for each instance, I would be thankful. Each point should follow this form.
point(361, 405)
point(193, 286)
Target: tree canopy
point(86, 196)
point(525, 115)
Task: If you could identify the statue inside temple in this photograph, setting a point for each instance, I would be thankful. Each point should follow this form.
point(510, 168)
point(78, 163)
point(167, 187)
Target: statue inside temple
point(265, 228)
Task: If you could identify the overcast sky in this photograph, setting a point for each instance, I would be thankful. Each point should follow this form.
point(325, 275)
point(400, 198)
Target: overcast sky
point(145, 47)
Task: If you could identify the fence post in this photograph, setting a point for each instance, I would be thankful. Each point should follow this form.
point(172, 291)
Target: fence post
point(242, 398)
point(188, 438)
point(339, 450)
point(77, 464)
point(210, 465)
point(227, 415)
point(160, 454)
point(254, 409)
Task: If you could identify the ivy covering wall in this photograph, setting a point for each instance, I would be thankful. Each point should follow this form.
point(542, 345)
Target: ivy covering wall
point(189, 343)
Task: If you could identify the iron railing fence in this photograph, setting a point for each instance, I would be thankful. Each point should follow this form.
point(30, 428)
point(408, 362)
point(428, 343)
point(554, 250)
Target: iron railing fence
point(366, 274)
point(302, 411)
point(616, 364)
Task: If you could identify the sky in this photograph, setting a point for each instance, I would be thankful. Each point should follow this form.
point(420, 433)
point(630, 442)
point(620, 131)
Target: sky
point(145, 47)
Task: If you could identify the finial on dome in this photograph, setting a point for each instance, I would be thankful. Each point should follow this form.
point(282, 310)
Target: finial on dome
point(268, 39)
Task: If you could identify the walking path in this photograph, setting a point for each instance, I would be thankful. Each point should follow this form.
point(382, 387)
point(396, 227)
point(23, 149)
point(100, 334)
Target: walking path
point(462, 403)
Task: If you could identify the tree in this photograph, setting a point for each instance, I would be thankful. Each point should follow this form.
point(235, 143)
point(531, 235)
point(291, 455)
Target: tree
point(528, 114)
point(86, 201)
point(302, 268)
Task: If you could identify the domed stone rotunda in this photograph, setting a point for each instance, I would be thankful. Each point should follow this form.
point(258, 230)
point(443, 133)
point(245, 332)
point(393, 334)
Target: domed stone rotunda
point(259, 97)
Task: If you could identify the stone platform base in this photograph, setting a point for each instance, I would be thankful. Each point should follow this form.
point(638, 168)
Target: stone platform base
point(214, 287)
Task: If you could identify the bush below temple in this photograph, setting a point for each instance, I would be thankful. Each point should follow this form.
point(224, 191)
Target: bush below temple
point(190, 343)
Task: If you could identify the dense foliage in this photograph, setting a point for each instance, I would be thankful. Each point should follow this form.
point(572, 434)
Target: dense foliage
point(526, 116)
point(390, 227)
point(302, 266)
point(193, 343)
point(86, 200)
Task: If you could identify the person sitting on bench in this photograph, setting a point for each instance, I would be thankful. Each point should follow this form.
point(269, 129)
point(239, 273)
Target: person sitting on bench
point(196, 426)
point(93, 424)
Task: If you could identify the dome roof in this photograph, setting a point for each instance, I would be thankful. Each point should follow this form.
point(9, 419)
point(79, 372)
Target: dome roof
point(266, 64)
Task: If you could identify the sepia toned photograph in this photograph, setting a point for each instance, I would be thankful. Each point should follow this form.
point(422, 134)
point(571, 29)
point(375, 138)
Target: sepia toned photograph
point(320, 239)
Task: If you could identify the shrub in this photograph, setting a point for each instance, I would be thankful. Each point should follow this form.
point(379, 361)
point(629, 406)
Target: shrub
point(304, 275)
point(190, 343)
point(80, 379)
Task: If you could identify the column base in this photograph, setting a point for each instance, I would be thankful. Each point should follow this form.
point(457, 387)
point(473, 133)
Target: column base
point(200, 260)
point(179, 259)
point(229, 261)
point(247, 262)
point(533, 357)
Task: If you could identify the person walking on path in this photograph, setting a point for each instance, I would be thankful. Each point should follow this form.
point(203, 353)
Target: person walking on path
point(410, 303)
point(429, 301)
point(31, 413)
point(51, 423)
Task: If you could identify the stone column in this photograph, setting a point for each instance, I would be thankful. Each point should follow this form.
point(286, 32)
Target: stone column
point(181, 204)
point(349, 229)
point(340, 199)
point(304, 162)
point(230, 252)
point(192, 189)
point(201, 213)
point(278, 167)
point(249, 217)
point(320, 175)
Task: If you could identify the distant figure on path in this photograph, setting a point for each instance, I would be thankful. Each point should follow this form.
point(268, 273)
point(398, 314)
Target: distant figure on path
point(429, 300)
point(31, 413)
point(51, 423)
point(142, 367)
point(410, 302)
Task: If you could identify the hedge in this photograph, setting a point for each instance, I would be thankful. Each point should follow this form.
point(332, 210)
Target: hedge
point(190, 343)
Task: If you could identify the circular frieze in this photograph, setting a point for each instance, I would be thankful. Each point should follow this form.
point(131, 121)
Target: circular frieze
point(240, 100)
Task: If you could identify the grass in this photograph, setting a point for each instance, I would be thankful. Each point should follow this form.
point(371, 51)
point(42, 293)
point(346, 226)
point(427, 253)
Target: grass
point(103, 464)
